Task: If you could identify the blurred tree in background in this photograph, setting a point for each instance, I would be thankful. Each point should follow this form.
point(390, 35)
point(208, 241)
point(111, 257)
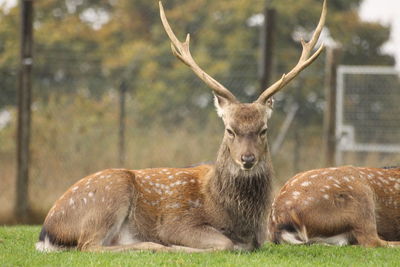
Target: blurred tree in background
point(95, 45)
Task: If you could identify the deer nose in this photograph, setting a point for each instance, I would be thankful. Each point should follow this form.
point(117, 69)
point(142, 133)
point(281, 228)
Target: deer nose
point(248, 160)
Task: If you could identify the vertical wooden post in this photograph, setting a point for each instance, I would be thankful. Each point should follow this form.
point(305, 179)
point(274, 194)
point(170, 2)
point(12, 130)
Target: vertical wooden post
point(122, 122)
point(298, 128)
point(267, 46)
point(24, 111)
point(331, 63)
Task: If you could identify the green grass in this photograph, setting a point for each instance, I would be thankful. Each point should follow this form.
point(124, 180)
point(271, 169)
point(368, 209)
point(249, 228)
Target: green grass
point(17, 249)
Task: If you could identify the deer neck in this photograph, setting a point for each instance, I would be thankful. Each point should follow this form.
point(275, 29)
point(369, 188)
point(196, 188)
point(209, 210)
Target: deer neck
point(243, 196)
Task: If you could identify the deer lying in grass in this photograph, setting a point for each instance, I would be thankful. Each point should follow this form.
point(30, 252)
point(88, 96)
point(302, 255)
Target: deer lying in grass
point(338, 206)
point(220, 207)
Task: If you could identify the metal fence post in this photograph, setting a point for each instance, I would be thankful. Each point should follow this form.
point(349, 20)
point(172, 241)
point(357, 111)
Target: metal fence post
point(24, 111)
point(331, 63)
point(122, 124)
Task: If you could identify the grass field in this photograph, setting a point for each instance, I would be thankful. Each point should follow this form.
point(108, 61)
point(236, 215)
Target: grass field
point(17, 249)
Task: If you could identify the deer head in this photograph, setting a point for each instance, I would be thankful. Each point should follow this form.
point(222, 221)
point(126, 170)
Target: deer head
point(245, 123)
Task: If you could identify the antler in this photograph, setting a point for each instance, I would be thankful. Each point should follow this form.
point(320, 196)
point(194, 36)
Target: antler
point(182, 51)
point(304, 61)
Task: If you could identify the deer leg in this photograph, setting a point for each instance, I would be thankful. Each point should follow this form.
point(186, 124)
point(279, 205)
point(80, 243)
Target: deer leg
point(393, 244)
point(142, 246)
point(203, 237)
point(369, 239)
point(364, 223)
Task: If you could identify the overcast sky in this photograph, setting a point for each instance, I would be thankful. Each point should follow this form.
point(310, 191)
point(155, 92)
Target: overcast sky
point(385, 11)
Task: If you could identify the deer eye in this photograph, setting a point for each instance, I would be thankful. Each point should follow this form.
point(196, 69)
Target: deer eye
point(230, 133)
point(263, 132)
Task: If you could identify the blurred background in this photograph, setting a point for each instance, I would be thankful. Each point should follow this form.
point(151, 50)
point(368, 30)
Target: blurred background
point(107, 91)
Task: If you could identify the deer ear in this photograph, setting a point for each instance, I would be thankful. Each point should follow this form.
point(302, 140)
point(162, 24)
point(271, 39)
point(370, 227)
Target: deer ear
point(270, 106)
point(220, 103)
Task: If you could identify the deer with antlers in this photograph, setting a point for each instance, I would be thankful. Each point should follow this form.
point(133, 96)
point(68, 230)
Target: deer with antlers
point(338, 206)
point(209, 207)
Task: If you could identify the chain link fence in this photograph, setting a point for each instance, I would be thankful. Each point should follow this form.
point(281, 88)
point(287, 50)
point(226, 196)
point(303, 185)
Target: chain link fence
point(368, 123)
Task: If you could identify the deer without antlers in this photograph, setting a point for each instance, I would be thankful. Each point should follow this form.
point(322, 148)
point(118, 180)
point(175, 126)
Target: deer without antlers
point(338, 206)
point(219, 207)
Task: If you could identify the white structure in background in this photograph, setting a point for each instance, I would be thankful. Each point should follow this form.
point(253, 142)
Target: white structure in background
point(367, 111)
point(5, 118)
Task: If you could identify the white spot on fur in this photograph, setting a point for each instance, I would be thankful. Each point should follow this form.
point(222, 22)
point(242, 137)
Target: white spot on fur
point(71, 202)
point(336, 185)
point(326, 196)
point(155, 203)
point(397, 186)
point(350, 187)
point(75, 188)
point(310, 198)
point(314, 175)
point(383, 180)
point(84, 200)
point(330, 178)
point(379, 172)
point(288, 202)
point(173, 206)
point(347, 179)
point(192, 181)
point(91, 194)
point(296, 194)
point(158, 191)
point(171, 177)
point(195, 203)
point(306, 183)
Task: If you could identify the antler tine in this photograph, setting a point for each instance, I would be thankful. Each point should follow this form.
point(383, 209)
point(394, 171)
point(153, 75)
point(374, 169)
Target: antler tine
point(304, 61)
point(182, 51)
